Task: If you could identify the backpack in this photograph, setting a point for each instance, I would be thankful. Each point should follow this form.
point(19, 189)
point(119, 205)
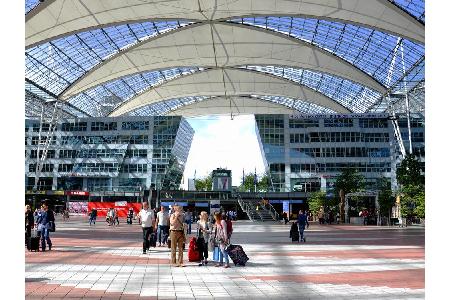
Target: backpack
point(229, 228)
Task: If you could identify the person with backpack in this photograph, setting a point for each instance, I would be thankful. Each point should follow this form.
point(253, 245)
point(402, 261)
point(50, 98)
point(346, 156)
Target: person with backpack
point(203, 232)
point(222, 240)
point(302, 221)
point(45, 222)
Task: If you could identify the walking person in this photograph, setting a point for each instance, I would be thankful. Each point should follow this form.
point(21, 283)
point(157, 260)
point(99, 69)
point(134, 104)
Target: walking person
point(203, 232)
point(222, 240)
point(302, 221)
point(92, 216)
point(148, 225)
point(177, 236)
point(162, 220)
point(188, 220)
point(45, 222)
point(29, 221)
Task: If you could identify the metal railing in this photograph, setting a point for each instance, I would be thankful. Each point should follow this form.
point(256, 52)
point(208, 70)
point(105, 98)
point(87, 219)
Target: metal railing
point(245, 208)
point(273, 212)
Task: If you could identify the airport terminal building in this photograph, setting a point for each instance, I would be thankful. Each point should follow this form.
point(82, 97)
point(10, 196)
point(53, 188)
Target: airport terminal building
point(306, 152)
point(122, 154)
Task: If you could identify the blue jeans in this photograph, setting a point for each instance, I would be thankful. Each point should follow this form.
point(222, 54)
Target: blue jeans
point(189, 222)
point(163, 230)
point(45, 236)
point(92, 219)
point(301, 229)
point(223, 254)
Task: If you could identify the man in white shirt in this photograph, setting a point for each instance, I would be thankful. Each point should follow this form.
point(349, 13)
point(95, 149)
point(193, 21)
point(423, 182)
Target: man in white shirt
point(147, 218)
point(162, 219)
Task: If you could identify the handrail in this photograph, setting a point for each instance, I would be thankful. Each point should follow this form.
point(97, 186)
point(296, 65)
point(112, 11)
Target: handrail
point(273, 212)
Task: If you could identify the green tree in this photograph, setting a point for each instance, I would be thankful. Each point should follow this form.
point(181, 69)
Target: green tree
point(316, 200)
point(385, 197)
point(408, 173)
point(412, 187)
point(204, 184)
point(349, 181)
point(265, 184)
point(249, 183)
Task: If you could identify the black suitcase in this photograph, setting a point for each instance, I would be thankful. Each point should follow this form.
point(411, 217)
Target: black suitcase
point(237, 255)
point(152, 242)
point(294, 234)
point(33, 243)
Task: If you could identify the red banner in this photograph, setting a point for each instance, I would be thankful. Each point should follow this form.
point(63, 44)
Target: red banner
point(121, 207)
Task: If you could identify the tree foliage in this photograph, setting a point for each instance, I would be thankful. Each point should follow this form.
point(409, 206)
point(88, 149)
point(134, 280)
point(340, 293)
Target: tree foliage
point(412, 187)
point(204, 184)
point(316, 200)
point(408, 173)
point(263, 183)
point(385, 197)
point(349, 181)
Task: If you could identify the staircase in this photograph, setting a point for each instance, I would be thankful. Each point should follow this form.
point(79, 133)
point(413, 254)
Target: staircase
point(260, 214)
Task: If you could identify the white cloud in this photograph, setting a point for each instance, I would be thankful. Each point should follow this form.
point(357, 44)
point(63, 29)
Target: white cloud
point(222, 142)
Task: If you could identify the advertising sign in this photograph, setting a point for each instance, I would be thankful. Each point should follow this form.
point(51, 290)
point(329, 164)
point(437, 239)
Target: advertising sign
point(77, 193)
point(286, 207)
point(78, 208)
point(122, 209)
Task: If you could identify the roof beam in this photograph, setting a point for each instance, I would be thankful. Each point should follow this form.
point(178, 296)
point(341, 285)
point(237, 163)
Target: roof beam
point(237, 82)
point(58, 18)
point(212, 44)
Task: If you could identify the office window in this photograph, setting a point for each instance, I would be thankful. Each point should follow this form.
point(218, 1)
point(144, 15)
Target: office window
point(74, 126)
point(45, 168)
point(103, 126)
point(65, 167)
point(303, 123)
point(338, 122)
point(373, 123)
point(136, 125)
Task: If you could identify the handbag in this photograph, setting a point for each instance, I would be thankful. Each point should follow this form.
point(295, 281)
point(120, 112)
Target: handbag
point(52, 227)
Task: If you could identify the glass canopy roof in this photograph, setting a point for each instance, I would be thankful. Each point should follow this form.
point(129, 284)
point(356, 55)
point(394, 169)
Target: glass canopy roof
point(396, 63)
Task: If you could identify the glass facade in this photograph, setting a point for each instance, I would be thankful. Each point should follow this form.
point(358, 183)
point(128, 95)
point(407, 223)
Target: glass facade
point(301, 152)
point(152, 155)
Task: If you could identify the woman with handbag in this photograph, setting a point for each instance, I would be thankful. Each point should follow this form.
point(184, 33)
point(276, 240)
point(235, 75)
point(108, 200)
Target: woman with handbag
point(203, 232)
point(222, 240)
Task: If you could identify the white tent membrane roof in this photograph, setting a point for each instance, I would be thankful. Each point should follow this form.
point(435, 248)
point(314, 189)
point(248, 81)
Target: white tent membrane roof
point(219, 45)
point(227, 82)
point(230, 105)
point(370, 53)
point(57, 18)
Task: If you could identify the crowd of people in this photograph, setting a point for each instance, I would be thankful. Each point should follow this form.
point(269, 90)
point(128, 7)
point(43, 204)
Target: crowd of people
point(172, 228)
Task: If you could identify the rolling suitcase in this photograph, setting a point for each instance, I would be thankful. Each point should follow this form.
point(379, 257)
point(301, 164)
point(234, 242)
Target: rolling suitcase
point(193, 251)
point(294, 234)
point(237, 255)
point(33, 241)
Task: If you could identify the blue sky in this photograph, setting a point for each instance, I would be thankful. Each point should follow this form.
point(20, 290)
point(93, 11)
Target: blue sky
point(222, 142)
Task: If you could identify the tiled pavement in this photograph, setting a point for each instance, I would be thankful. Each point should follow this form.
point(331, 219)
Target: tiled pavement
point(337, 262)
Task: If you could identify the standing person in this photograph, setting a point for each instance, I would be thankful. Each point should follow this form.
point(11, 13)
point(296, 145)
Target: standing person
point(177, 236)
point(92, 216)
point(188, 220)
point(302, 221)
point(44, 222)
point(147, 218)
point(203, 232)
point(285, 218)
point(320, 216)
point(29, 221)
point(162, 219)
point(222, 239)
point(116, 217)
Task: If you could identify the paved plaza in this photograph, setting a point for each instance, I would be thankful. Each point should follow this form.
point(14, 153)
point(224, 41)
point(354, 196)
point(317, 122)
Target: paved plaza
point(337, 262)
